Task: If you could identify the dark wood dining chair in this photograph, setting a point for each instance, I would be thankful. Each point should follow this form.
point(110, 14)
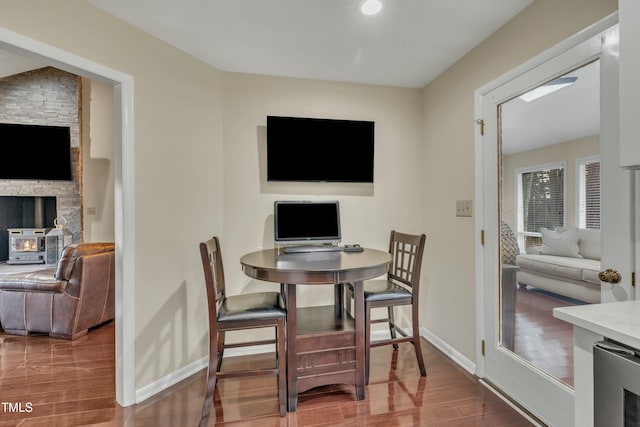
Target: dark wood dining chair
point(238, 312)
point(401, 287)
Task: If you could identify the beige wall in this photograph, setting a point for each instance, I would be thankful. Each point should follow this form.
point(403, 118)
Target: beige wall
point(448, 300)
point(178, 169)
point(567, 152)
point(367, 214)
point(98, 162)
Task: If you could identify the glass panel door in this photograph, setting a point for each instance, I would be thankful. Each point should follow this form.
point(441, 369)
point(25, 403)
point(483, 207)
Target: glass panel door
point(543, 135)
point(524, 365)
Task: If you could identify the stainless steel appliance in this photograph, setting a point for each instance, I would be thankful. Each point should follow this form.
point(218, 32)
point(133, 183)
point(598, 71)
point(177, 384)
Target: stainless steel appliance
point(616, 385)
point(27, 245)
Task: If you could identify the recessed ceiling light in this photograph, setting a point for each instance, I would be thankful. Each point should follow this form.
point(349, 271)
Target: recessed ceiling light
point(371, 7)
point(548, 88)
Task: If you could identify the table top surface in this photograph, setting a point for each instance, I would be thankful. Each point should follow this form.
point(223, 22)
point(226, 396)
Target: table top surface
point(316, 261)
point(316, 267)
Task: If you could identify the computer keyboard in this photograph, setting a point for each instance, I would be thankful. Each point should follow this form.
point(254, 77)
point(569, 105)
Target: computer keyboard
point(311, 248)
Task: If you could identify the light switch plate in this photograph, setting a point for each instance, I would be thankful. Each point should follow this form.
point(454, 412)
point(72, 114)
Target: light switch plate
point(463, 208)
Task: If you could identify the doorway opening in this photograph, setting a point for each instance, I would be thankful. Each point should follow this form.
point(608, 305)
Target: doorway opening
point(122, 85)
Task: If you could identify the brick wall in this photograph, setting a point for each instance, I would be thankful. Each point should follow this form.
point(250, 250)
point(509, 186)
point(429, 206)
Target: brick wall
point(47, 96)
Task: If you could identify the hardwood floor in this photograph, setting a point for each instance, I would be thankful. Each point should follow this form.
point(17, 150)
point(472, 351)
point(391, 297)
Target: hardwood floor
point(542, 339)
point(63, 383)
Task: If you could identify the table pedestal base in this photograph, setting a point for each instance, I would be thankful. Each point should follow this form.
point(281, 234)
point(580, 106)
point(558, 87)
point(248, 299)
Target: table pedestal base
point(325, 344)
point(324, 351)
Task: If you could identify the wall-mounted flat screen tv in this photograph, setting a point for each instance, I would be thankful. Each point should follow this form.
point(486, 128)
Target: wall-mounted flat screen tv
point(307, 149)
point(35, 152)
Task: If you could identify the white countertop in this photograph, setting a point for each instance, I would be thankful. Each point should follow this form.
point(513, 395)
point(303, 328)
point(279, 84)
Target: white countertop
point(619, 321)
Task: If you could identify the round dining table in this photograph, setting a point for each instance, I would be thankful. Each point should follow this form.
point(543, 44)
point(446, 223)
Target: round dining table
point(325, 344)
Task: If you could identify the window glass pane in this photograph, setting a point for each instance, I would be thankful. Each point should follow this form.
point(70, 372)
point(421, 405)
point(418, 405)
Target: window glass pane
point(592, 195)
point(543, 199)
point(589, 194)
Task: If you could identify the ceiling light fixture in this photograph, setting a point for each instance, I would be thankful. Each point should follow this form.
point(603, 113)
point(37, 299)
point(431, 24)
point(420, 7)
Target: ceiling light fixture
point(548, 88)
point(371, 7)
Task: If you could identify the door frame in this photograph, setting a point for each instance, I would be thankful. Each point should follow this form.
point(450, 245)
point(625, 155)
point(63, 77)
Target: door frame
point(124, 196)
point(486, 199)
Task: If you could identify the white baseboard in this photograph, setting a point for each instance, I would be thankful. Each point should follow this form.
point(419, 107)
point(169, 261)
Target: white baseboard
point(175, 377)
point(449, 351)
point(437, 342)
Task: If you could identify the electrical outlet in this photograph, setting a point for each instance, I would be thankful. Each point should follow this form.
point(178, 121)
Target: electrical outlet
point(91, 211)
point(463, 208)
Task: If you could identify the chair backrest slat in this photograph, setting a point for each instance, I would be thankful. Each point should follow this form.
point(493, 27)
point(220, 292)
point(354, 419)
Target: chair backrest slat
point(406, 251)
point(213, 274)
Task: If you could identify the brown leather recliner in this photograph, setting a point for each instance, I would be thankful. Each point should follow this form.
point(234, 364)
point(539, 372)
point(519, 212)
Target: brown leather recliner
point(65, 301)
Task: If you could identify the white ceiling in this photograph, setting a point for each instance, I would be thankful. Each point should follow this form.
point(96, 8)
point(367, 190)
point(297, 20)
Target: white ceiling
point(408, 44)
point(568, 114)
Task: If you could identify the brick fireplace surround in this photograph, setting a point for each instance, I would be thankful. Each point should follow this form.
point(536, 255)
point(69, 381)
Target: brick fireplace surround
point(47, 96)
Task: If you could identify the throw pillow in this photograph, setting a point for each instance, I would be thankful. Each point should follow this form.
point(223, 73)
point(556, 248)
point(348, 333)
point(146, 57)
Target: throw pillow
point(509, 244)
point(589, 243)
point(560, 242)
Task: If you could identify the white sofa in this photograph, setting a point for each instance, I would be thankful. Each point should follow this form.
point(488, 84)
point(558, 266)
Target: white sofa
point(567, 263)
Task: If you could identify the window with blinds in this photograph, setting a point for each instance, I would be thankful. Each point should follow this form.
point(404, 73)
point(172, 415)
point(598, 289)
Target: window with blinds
point(541, 201)
point(588, 193)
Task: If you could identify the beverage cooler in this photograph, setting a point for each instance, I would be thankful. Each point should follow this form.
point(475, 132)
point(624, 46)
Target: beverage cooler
point(616, 385)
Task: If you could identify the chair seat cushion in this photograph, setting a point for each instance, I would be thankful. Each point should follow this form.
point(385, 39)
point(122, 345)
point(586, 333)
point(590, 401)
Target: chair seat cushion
point(35, 281)
point(378, 290)
point(254, 306)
